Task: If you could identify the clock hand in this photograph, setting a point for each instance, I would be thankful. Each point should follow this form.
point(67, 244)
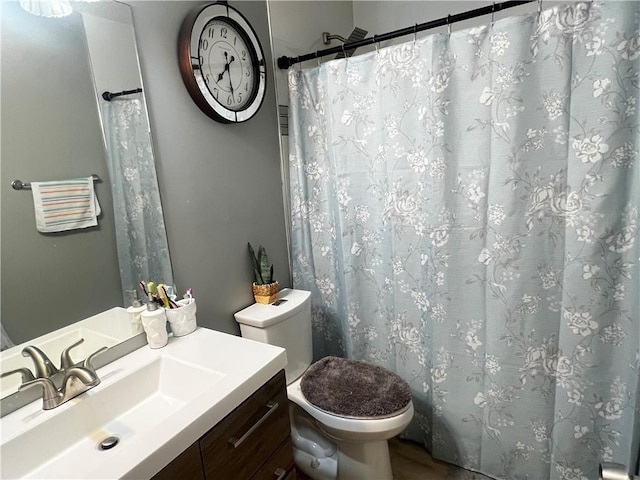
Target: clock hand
point(226, 65)
point(231, 87)
point(230, 82)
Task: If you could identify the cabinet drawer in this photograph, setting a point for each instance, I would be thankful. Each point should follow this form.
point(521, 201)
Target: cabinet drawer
point(239, 445)
point(187, 466)
point(279, 466)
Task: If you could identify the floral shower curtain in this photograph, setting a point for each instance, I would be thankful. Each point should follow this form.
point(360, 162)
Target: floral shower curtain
point(465, 213)
point(143, 251)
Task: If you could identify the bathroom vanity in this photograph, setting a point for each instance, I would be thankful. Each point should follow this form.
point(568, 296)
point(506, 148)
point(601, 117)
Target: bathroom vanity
point(252, 442)
point(208, 405)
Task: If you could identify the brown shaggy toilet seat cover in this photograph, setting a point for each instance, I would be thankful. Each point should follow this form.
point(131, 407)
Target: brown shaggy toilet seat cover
point(354, 389)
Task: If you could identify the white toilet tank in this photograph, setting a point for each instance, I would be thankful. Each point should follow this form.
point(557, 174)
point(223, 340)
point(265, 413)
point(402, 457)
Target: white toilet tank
point(285, 323)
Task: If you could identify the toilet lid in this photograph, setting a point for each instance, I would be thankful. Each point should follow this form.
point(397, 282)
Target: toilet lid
point(354, 389)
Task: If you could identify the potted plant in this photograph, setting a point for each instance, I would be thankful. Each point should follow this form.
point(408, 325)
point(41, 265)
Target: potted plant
point(265, 289)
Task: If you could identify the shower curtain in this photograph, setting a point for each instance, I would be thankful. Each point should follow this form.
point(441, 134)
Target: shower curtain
point(143, 251)
point(6, 341)
point(465, 213)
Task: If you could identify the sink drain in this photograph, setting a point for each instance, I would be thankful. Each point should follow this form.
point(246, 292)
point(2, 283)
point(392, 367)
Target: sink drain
point(108, 443)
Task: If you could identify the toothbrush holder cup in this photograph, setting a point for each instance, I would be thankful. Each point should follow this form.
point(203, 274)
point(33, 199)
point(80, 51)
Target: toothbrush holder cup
point(182, 320)
point(155, 326)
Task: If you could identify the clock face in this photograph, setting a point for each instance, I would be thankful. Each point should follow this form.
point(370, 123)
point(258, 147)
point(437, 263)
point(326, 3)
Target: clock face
point(226, 63)
point(222, 63)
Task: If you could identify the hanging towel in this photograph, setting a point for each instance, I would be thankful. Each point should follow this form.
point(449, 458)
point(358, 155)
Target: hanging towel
point(65, 205)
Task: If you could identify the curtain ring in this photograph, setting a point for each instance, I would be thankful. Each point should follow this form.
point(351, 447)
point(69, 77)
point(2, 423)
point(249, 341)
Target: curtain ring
point(539, 7)
point(415, 33)
point(449, 24)
point(493, 11)
point(318, 58)
point(377, 44)
point(343, 52)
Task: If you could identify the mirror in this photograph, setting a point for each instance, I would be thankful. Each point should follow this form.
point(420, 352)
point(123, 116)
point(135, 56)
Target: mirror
point(54, 71)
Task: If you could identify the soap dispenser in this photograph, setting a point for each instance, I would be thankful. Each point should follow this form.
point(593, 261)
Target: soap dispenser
point(134, 311)
point(154, 322)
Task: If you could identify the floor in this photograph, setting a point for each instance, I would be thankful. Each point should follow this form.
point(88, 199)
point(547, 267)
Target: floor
point(410, 461)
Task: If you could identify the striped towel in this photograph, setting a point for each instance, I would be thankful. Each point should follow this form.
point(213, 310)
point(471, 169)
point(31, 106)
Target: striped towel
point(65, 205)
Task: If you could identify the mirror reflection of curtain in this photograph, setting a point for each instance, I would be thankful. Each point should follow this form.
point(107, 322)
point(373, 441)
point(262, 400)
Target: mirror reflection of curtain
point(465, 213)
point(5, 340)
point(143, 251)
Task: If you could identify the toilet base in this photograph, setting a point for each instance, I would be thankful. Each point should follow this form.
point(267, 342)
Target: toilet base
point(353, 461)
point(357, 460)
point(323, 456)
point(323, 468)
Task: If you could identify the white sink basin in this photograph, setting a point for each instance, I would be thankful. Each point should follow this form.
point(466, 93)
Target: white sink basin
point(157, 402)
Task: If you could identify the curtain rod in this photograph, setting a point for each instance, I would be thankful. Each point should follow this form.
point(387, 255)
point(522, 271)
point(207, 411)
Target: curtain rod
point(108, 96)
point(285, 62)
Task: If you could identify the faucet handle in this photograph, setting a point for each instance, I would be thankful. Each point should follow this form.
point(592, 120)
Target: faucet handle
point(44, 368)
point(80, 379)
point(65, 357)
point(87, 362)
point(27, 376)
point(75, 375)
point(50, 395)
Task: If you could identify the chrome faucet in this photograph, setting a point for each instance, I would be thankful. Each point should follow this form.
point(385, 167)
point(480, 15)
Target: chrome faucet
point(76, 380)
point(44, 368)
point(65, 357)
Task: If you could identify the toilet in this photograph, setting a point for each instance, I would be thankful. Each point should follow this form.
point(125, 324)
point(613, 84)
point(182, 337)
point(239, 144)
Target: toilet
point(340, 425)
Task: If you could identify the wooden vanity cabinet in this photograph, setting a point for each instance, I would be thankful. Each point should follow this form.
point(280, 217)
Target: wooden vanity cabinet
point(253, 442)
point(186, 466)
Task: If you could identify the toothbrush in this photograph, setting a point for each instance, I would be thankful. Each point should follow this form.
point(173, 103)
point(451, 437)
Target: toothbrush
point(162, 293)
point(169, 303)
point(153, 293)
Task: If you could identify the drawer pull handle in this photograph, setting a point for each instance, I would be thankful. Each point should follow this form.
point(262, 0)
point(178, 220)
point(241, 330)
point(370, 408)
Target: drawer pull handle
point(281, 473)
point(236, 442)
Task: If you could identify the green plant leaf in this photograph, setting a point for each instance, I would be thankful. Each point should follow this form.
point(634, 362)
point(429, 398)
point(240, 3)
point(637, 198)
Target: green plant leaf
point(262, 269)
point(259, 280)
point(263, 258)
point(256, 265)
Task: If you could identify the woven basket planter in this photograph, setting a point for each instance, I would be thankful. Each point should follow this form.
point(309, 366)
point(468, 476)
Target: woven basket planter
point(266, 293)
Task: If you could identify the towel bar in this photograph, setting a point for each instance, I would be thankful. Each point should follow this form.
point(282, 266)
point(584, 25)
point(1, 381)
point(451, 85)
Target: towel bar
point(20, 185)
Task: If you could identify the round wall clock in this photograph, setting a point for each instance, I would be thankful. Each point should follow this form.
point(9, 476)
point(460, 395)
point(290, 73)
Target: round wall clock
point(222, 63)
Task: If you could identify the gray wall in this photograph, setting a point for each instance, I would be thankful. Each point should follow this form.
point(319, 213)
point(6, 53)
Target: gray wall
point(50, 131)
point(220, 184)
point(381, 16)
point(296, 29)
